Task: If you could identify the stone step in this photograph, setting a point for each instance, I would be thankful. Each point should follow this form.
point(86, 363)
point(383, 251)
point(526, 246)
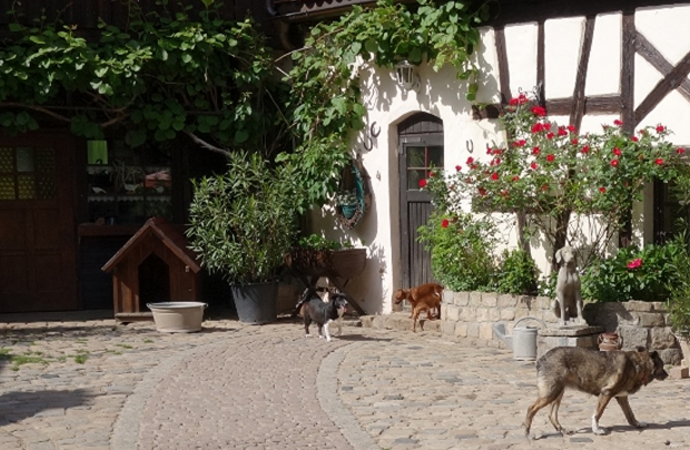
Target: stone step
point(399, 321)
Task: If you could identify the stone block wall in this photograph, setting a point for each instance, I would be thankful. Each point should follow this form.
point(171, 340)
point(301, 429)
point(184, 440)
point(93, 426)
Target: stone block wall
point(472, 315)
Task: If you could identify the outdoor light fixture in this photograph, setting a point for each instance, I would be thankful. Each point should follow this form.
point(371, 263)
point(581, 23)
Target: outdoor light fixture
point(406, 76)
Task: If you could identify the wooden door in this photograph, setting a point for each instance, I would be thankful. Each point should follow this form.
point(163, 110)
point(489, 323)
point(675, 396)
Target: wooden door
point(421, 148)
point(37, 232)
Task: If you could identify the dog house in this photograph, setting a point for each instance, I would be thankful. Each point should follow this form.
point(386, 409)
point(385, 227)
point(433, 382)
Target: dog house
point(155, 265)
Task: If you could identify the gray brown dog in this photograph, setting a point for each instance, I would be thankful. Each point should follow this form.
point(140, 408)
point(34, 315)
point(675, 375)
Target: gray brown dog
point(568, 303)
point(614, 374)
point(423, 297)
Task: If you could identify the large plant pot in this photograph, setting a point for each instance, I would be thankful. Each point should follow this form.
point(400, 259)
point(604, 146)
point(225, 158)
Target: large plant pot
point(256, 303)
point(177, 317)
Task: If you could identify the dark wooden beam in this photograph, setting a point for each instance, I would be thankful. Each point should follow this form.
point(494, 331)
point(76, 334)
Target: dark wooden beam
point(578, 110)
point(506, 12)
point(541, 63)
point(503, 70)
point(661, 90)
point(628, 70)
point(602, 104)
point(657, 60)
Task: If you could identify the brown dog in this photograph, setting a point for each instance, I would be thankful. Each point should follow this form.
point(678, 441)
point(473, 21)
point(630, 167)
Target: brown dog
point(608, 375)
point(425, 297)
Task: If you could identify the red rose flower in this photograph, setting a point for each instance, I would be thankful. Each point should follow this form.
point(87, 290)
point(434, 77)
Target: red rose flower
point(680, 150)
point(515, 178)
point(444, 223)
point(422, 183)
point(549, 136)
point(535, 151)
point(545, 187)
point(634, 264)
point(534, 165)
point(432, 174)
point(585, 149)
point(617, 123)
point(571, 128)
point(574, 141)
point(550, 158)
point(520, 143)
point(547, 126)
point(617, 151)
point(497, 161)
point(537, 127)
point(482, 191)
point(634, 139)
point(539, 111)
point(659, 161)
point(660, 128)
point(470, 160)
point(494, 176)
point(561, 131)
point(614, 162)
point(602, 189)
point(458, 168)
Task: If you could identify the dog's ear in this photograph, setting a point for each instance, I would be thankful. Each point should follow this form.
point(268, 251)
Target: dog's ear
point(640, 349)
point(559, 256)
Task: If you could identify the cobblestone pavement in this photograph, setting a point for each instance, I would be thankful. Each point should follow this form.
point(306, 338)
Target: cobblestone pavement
point(90, 384)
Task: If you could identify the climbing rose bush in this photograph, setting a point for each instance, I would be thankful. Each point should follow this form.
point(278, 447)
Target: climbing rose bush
point(551, 172)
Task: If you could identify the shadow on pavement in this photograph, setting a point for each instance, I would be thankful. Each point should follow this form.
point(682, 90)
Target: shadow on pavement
point(359, 337)
point(15, 406)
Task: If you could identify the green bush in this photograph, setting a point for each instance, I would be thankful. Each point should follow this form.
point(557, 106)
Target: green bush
point(633, 274)
point(242, 222)
point(461, 250)
point(517, 273)
point(318, 242)
point(678, 304)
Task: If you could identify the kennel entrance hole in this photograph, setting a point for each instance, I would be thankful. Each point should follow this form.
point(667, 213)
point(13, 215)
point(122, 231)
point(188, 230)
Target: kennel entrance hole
point(154, 280)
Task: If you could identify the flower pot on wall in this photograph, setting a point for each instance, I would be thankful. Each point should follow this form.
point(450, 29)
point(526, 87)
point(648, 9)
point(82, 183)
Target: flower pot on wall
point(256, 303)
point(349, 210)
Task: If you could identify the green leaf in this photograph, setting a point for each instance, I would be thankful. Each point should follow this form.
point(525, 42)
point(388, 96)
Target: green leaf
point(241, 136)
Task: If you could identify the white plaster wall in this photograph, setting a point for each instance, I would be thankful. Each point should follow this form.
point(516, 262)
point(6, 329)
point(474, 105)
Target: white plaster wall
point(604, 68)
point(667, 29)
point(442, 95)
point(521, 47)
point(563, 39)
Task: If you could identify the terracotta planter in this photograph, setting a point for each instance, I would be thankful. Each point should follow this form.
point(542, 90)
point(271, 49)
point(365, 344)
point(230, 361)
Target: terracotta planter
point(178, 317)
point(609, 341)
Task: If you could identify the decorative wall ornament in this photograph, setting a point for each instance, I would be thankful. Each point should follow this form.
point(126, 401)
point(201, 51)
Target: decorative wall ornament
point(406, 76)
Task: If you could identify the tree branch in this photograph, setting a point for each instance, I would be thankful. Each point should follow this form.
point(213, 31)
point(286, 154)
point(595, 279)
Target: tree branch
point(197, 140)
point(37, 109)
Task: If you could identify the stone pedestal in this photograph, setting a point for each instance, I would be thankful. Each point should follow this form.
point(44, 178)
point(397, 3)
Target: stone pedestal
point(584, 336)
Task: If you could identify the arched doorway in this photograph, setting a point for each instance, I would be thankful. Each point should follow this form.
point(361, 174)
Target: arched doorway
point(420, 140)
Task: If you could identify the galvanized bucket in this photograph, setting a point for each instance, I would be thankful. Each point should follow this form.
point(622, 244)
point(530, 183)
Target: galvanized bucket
point(525, 340)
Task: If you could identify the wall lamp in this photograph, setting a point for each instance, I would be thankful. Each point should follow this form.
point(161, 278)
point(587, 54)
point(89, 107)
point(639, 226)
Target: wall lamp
point(406, 76)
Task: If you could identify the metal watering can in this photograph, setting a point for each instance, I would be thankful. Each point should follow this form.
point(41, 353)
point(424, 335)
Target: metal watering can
point(525, 340)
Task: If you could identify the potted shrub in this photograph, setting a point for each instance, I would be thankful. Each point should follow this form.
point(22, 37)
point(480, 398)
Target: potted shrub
point(242, 223)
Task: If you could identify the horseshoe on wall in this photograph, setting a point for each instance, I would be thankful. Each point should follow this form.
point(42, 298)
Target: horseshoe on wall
point(470, 145)
point(373, 131)
point(370, 141)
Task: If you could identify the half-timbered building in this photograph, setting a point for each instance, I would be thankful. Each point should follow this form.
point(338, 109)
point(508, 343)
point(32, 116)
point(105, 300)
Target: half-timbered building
point(589, 62)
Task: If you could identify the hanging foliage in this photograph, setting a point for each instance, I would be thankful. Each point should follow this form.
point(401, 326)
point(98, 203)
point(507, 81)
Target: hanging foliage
point(213, 80)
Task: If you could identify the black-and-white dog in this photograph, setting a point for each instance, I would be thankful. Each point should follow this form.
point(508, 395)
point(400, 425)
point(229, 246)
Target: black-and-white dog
point(314, 309)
